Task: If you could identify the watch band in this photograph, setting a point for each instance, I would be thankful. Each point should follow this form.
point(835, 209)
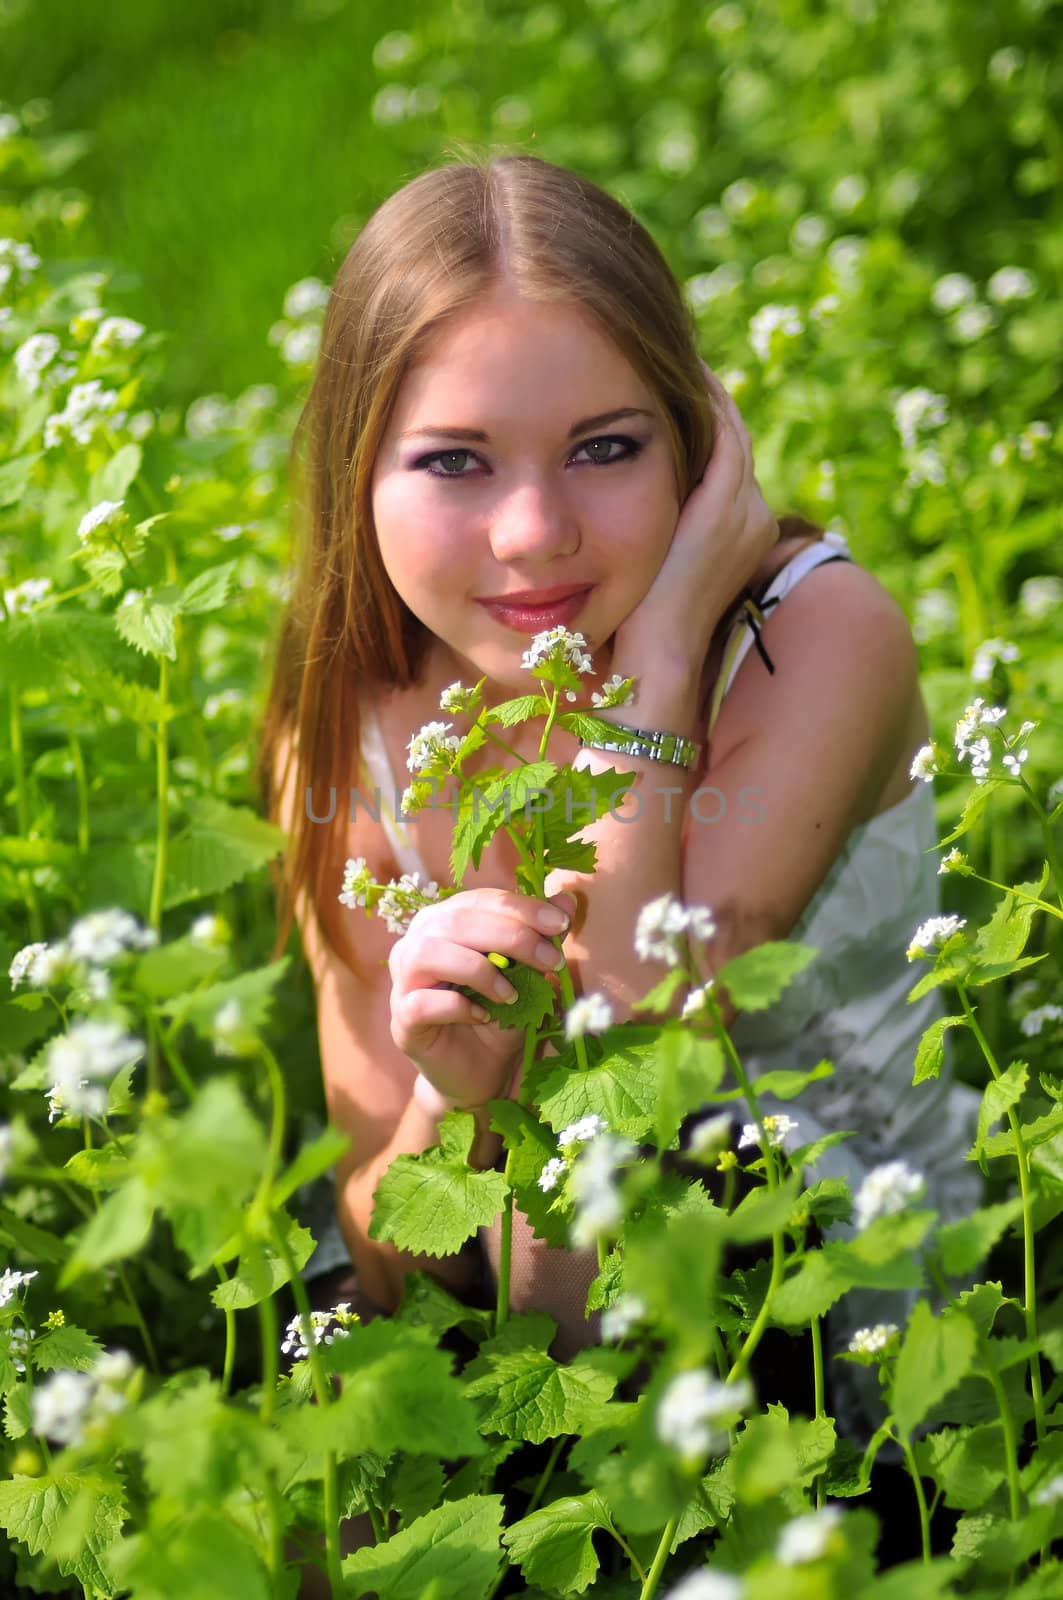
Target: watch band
point(655, 743)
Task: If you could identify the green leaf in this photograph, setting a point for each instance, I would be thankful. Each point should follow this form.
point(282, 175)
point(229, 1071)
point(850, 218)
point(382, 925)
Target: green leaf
point(112, 480)
point(456, 1545)
point(262, 1270)
point(967, 1463)
point(936, 1354)
point(1035, 1132)
point(930, 1055)
point(531, 1396)
point(530, 1147)
point(554, 1547)
point(188, 1557)
point(18, 1411)
point(254, 990)
point(1000, 1095)
point(315, 1158)
point(209, 590)
point(787, 1084)
point(36, 1242)
point(170, 968)
point(689, 1070)
point(772, 1451)
point(621, 1086)
point(147, 623)
point(33, 1510)
point(219, 845)
point(15, 477)
point(758, 978)
point(763, 1211)
point(118, 1230)
point(433, 1202)
point(66, 1347)
point(878, 1258)
point(1003, 938)
point(963, 1244)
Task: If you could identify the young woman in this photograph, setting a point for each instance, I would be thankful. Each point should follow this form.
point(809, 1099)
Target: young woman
point(509, 398)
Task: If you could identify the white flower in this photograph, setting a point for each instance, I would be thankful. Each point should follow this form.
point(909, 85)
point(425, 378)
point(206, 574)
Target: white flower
point(955, 289)
point(619, 1318)
point(18, 1342)
point(551, 1173)
point(60, 1406)
point(355, 882)
point(971, 322)
point(294, 1343)
point(695, 1003)
point(1032, 438)
point(871, 1341)
point(104, 515)
point(705, 1585)
point(807, 1538)
point(613, 693)
point(17, 261)
point(1005, 63)
point(689, 1407)
point(710, 1135)
point(102, 936)
point(430, 743)
point(1013, 762)
point(808, 233)
point(558, 643)
point(232, 1035)
point(915, 409)
point(393, 49)
point(739, 196)
point(117, 333)
point(390, 905)
point(1049, 1492)
point(705, 287)
point(9, 127)
point(586, 1128)
point(1039, 597)
point(33, 356)
point(987, 653)
point(845, 256)
point(208, 414)
point(773, 320)
point(591, 1013)
point(456, 697)
point(11, 1282)
point(211, 931)
point(886, 1189)
point(953, 862)
point(1032, 1023)
point(924, 765)
point(936, 613)
point(823, 308)
point(933, 931)
point(304, 297)
point(300, 345)
point(599, 1206)
point(215, 704)
point(113, 1367)
point(1010, 283)
point(23, 962)
point(776, 1128)
point(91, 1050)
point(926, 466)
point(87, 406)
point(848, 192)
point(663, 922)
point(26, 595)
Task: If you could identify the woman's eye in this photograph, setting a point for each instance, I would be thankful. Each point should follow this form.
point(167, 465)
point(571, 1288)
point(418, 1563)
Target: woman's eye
point(631, 448)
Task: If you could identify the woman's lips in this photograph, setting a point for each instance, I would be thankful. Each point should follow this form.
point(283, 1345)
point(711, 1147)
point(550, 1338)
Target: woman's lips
point(536, 619)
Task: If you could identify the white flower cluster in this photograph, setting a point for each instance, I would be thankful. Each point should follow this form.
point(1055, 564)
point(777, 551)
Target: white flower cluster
point(88, 406)
point(588, 1127)
point(1050, 1493)
point(772, 322)
point(232, 1034)
point(100, 937)
point(703, 1584)
point(431, 744)
point(25, 596)
point(613, 692)
point(558, 644)
point(356, 878)
point(776, 1128)
point(619, 1318)
point(392, 904)
point(69, 1403)
point(933, 932)
point(1034, 1020)
point(915, 411)
point(226, 699)
point(1041, 597)
point(210, 931)
point(456, 697)
point(552, 1173)
point(298, 332)
point(17, 262)
point(664, 923)
point(34, 357)
point(709, 1136)
point(117, 333)
point(978, 749)
point(887, 1189)
point(696, 1410)
point(873, 1341)
point(593, 1186)
point(107, 514)
point(990, 651)
point(82, 1063)
point(807, 1538)
point(11, 1282)
point(18, 1343)
point(591, 1013)
point(695, 1004)
point(294, 1343)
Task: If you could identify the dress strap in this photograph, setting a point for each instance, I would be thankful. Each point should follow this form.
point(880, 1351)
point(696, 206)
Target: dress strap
point(374, 753)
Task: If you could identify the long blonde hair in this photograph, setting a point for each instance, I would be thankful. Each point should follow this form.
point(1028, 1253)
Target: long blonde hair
point(428, 251)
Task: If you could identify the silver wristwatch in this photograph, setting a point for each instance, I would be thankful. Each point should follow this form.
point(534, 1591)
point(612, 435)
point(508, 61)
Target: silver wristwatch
point(655, 743)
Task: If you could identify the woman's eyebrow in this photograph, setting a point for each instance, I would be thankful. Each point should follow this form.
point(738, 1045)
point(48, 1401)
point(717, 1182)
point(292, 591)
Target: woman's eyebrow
point(480, 437)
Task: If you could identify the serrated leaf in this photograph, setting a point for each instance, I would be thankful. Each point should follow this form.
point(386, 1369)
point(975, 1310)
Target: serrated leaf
point(112, 480)
point(930, 1054)
point(936, 1354)
point(262, 1270)
point(758, 978)
point(455, 1545)
point(531, 1396)
point(963, 1244)
point(66, 1347)
point(18, 1411)
point(118, 1230)
point(689, 1070)
point(254, 990)
point(555, 1545)
point(148, 624)
point(218, 845)
point(878, 1258)
point(32, 1510)
point(967, 1463)
point(208, 591)
point(621, 1086)
point(999, 1096)
point(433, 1202)
point(1003, 938)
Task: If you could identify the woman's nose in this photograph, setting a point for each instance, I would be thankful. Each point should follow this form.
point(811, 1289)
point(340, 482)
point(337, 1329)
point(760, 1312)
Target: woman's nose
point(532, 521)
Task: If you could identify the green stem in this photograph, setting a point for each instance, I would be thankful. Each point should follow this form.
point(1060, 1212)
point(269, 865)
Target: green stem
point(173, 1060)
point(82, 793)
point(1032, 899)
point(1007, 1422)
point(267, 1322)
point(162, 787)
point(1026, 1192)
point(230, 1337)
point(22, 812)
point(653, 1577)
point(817, 1378)
point(505, 1251)
point(917, 1484)
point(379, 1533)
point(134, 1306)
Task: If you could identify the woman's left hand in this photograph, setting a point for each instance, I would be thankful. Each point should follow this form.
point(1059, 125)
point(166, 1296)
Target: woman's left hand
point(724, 532)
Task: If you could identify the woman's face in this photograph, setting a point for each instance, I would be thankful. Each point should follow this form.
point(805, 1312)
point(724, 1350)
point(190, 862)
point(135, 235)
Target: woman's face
point(533, 504)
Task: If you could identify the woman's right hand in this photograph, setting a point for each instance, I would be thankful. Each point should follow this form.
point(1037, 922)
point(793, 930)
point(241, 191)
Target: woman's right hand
point(467, 1061)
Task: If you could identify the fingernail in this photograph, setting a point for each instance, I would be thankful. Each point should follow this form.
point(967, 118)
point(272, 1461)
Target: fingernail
point(551, 920)
point(505, 991)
